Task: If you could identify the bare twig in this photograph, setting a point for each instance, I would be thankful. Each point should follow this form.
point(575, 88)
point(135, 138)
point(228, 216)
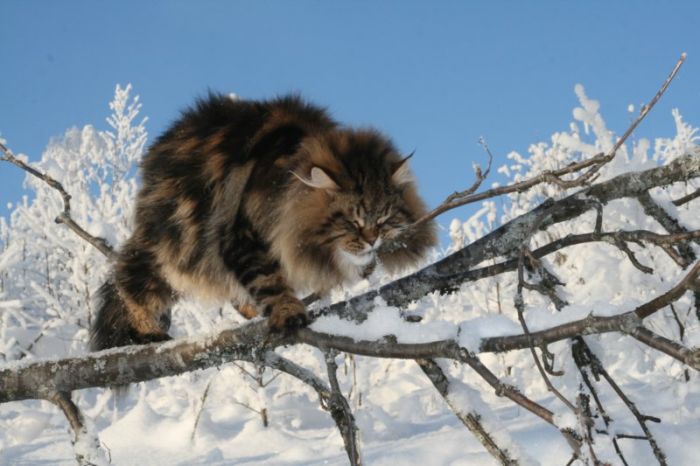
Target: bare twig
point(585, 419)
point(85, 444)
point(471, 419)
point(65, 216)
point(685, 199)
point(599, 370)
point(340, 410)
point(520, 307)
point(548, 280)
point(580, 353)
point(632, 258)
point(71, 411)
point(690, 357)
point(681, 332)
point(594, 164)
point(332, 400)
point(669, 223)
point(205, 394)
point(514, 395)
point(644, 111)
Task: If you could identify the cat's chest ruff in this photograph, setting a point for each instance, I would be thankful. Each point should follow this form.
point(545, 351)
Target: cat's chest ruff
point(352, 266)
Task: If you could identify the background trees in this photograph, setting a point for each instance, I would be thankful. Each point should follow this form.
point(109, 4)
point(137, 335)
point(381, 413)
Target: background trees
point(501, 323)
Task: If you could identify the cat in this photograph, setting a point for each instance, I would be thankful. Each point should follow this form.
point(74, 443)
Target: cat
point(258, 202)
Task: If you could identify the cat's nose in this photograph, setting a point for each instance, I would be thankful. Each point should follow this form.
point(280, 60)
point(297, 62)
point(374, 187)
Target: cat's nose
point(370, 235)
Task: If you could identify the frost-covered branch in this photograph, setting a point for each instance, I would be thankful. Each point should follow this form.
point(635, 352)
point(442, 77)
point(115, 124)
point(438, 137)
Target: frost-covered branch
point(550, 228)
point(466, 412)
point(63, 217)
point(520, 307)
point(449, 273)
point(85, 442)
point(339, 408)
point(151, 361)
point(556, 177)
point(119, 366)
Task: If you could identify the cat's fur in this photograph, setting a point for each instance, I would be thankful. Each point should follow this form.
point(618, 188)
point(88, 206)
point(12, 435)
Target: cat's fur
point(257, 202)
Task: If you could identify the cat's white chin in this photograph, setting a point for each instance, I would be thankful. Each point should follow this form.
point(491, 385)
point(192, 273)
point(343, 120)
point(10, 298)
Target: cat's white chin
point(356, 260)
point(352, 265)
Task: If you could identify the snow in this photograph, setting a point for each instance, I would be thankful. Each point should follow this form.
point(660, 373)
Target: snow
point(472, 331)
point(566, 420)
point(384, 321)
point(47, 275)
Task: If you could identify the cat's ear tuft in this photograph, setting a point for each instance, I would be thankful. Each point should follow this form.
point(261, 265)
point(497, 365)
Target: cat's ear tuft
point(319, 179)
point(401, 173)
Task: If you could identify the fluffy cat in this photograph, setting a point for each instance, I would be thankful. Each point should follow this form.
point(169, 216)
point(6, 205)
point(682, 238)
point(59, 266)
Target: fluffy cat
point(257, 202)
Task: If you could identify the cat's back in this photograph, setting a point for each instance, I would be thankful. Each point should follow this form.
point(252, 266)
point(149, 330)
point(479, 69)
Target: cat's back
point(195, 172)
point(222, 132)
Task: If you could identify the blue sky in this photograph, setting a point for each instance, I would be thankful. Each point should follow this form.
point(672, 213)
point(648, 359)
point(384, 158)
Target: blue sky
point(433, 75)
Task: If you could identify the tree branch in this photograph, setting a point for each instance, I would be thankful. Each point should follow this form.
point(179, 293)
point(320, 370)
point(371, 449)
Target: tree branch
point(153, 361)
point(251, 341)
point(685, 199)
point(65, 216)
point(339, 408)
point(594, 164)
point(470, 419)
point(86, 445)
point(689, 357)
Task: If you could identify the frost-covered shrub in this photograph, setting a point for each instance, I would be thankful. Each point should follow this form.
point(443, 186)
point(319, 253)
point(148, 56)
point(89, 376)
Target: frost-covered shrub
point(47, 275)
point(599, 278)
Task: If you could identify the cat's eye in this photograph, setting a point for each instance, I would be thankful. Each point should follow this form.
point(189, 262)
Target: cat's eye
point(382, 220)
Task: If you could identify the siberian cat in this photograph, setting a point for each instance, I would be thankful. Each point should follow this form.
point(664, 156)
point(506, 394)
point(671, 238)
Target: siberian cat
point(257, 202)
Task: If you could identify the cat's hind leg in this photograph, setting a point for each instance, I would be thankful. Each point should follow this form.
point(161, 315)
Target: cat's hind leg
point(134, 304)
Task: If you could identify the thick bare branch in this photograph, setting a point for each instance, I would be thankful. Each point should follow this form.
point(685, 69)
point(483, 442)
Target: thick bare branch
point(151, 361)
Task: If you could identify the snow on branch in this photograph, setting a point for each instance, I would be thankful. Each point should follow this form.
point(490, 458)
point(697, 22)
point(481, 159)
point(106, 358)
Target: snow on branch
point(520, 245)
point(43, 379)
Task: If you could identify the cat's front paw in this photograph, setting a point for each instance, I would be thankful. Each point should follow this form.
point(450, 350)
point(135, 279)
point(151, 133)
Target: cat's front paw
point(145, 338)
point(287, 315)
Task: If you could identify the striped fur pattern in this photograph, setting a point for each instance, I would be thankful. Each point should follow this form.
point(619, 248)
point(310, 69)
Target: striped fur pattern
point(257, 202)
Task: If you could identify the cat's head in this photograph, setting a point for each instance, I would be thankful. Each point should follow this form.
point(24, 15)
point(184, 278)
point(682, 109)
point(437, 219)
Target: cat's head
point(355, 193)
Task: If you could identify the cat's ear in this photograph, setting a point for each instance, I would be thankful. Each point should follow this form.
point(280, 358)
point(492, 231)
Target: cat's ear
point(401, 173)
point(318, 179)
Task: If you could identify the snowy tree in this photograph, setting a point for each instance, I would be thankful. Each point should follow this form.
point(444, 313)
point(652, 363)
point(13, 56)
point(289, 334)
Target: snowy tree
point(572, 301)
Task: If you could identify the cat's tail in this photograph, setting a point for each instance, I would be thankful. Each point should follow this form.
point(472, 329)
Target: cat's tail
point(111, 327)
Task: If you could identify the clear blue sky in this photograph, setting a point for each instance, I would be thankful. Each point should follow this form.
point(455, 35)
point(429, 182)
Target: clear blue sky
point(433, 75)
